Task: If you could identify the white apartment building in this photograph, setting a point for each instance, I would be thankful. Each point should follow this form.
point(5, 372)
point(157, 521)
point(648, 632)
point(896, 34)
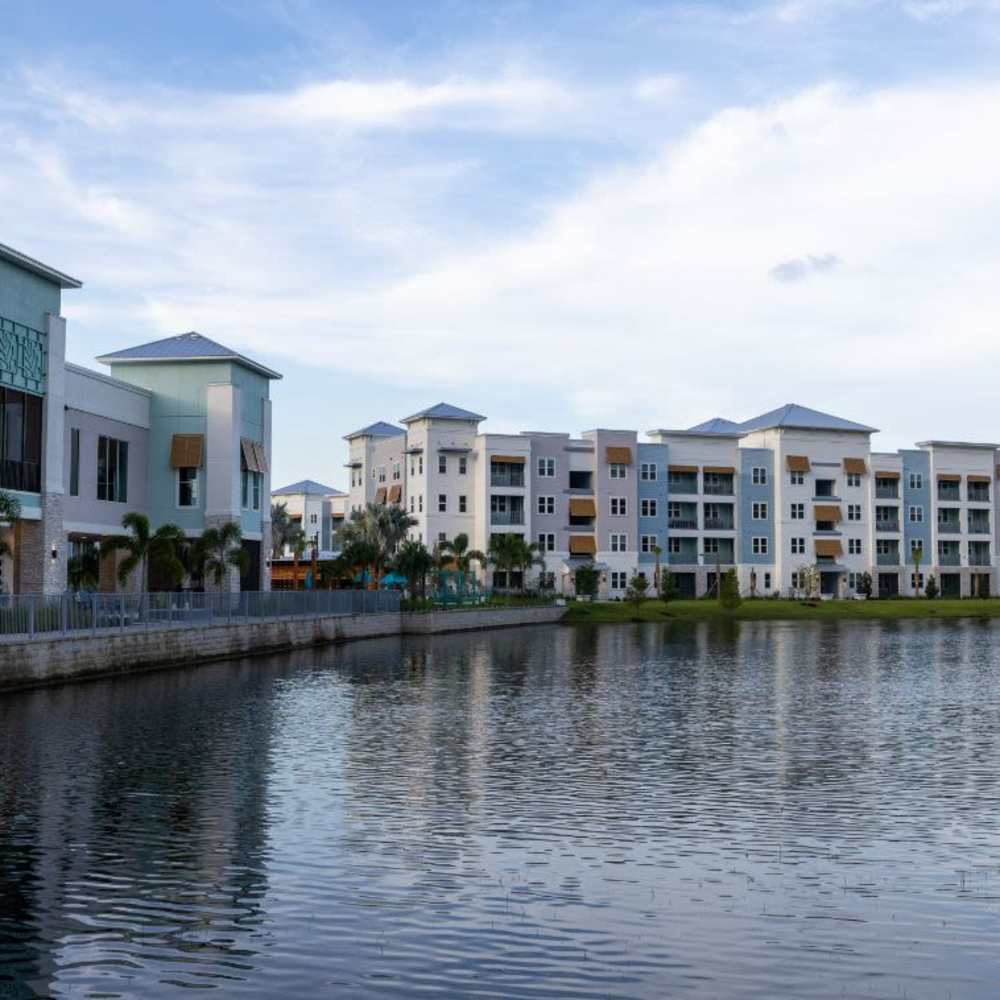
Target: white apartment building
point(317, 509)
point(772, 496)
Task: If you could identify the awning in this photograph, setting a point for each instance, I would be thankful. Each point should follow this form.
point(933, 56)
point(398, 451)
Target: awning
point(829, 547)
point(187, 451)
point(826, 512)
point(949, 477)
point(978, 479)
point(886, 475)
point(798, 463)
point(582, 507)
point(380, 495)
point(508, 459)
point(395, 493)
point(694, 468)
point(855, 466)
point(722, 470)
point(261, 457)
point(582, 545)
point(619, 456)
point(249, 455)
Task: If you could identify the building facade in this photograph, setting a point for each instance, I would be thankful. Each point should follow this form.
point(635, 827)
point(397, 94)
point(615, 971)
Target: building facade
point(178, 429)
point(778, 498)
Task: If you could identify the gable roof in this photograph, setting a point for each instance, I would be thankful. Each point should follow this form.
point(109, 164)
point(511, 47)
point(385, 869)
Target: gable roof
point(310, 488)
point(794, 415)
point(189, 346)
point(445, 411)
point(27, 263)
point(380, 429)
point(717, 425)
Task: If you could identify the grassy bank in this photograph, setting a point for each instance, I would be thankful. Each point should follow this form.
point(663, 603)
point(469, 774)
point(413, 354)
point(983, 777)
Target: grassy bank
point(781, 610)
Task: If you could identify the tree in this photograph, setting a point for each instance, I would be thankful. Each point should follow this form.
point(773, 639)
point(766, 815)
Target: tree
point(83, 572)
point(918, 557)
point(144, 546)
point(729, 591)
point(220, 550)
point(414, 562)
point(668, 589)
point(585, 581)
point(657, 582)
point(635, 594)
point(370, 538)
point(10, 514)
point(504, 553)
point(931, 590)
point(462, 556)
point(864, 584)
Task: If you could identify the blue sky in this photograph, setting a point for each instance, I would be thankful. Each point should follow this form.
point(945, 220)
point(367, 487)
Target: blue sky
point(562, 215)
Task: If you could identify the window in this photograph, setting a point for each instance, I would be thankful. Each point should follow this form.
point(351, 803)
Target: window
point(619, 543)
point(413, 503)
point(883, 547)
point(187, 487)
point(917, 581)
point(674, 546)
point(112, 470)
point(420, 465)
point(381, 473)
point(759, 511)
point(442, 537)
point(546, 542)
point(74, 462)
point(798, 581)
point(312, 519)
point(798, 546)
point(420, 504)
point(442, 503)
point(759, 546)
point(767, 581)
point(758, 475)
point(711, 546)
point(462, 505)
point(442, 464)
point(546, 505)
point(916, 545)
point(854, 546)
point(547, 468)
point(854, 512)
point(916, 515)
point(618, 471)
point(396, 470)
point(619, 506)
point(854, 479)
point(250, 486)
point(619, 580)
point(463, 465)
point(916, 481)
point(647, 508)
point(798, 511)
point(647, 543)
point(647, 472)
point(851, 581)
point(797, 478)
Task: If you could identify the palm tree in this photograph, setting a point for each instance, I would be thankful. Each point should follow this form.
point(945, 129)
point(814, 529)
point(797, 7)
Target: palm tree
point(503, 553)
point(657, 552)
point(918, 558)
point(10, 514)
point(461, 555)
point(530, 555)
point(370, 538)
point(414, 562)
point(220, 550)
point(145, 546)
point(281, 526)
point(83, 572)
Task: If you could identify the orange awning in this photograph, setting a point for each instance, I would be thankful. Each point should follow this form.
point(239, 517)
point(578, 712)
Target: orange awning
point(886, 475)
point(722, 470)
point(826, 512)
point(582, 507)
point(855, 466)
point(187, 451)
point(508, 459)
point(797, 463)
point(829, 547)
point(978, 479)
point(619, 456)
point(395, 493)
point(582, 545)
point(949, 477)
point(694, 468)
point(380, 495)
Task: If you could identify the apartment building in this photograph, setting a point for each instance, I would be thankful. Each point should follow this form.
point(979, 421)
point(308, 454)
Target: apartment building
point(317, 509)
point(178, 429)
point(774, 497)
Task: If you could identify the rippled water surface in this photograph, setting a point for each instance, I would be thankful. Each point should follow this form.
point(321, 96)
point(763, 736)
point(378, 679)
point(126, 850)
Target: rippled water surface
point(756, 810)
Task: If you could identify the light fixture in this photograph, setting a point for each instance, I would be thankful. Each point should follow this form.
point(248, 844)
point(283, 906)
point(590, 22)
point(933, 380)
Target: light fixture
point(55, 553)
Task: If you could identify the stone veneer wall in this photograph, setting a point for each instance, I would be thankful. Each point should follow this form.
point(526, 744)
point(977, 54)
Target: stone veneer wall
point(36, 571)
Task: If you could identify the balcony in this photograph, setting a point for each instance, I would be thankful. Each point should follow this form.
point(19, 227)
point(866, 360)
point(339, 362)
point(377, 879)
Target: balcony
point(507, 517)
point(510, 478)
point(719, 523)
point(886, 524)
point(683, 522)
point(26, 476)
point(950, 527)
point(949, 556)
point(887, 559)
point(682, 482)
point(717, 485)
point(979, 492)
point(979, 557)
point(948, 492)
point(979, 525)
point(724, 556)
point(581, 482)
point(886, 489)
point(688, 555)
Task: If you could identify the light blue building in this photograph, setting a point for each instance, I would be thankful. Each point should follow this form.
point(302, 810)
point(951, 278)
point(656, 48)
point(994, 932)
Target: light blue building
point(179, 430)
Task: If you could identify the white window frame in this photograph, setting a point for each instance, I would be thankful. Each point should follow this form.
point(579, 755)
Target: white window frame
point(854, 480)
point(442, 503)
point(797, 478)
point(546, 468)
point(618, 506)
point(463, 503)
point(758, 545)
point(916, 480)
point(648, 472)
point(647, 542)
point(758, 475)
point(545, 504)
point(915, 545)
point(797, 512)
point(618, 580)
point(854, 512)
point(798, 546)
point(648, 507)
point(854, 546)
point(714, 543)
point(195, 483)
point(618, 470)
point(619, 541)
point(442, 465)
point(916, 513)
point(758, 511)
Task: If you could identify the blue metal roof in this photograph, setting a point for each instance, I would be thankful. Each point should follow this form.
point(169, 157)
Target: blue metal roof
point(794, 415)
point(445, 411)
point(380, 429)
point(717, 425)
point(309, 487)
point(184, 347)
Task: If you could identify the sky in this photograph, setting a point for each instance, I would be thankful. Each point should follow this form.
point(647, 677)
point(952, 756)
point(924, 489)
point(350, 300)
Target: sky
point(563, 215)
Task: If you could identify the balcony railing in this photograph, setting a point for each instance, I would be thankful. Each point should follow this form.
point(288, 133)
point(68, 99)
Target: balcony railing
point(887, 559)
point(949, 558)
point(682, 484)
point(506, 517)
point(887, 525)
point(718, 489)
point(26, 476)
point(978, 526)
point(949, 527)
point(682, 522)
point(719, 523)
point(948, 492)
point(515, 479)
point(711, 558)
point(979, 559)
point(887, 492)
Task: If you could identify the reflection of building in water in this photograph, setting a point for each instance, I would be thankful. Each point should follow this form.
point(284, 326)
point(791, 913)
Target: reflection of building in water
point(132, 811)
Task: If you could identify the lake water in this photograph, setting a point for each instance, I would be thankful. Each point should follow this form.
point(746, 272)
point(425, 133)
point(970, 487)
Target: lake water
point(753, 810)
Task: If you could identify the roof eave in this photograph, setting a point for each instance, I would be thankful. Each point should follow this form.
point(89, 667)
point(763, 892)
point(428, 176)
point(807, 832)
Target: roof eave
point(112, 359)
point(37, 267)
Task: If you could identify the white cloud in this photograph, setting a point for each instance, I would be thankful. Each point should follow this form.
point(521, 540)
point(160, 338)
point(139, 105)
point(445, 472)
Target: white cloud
point(664, 87)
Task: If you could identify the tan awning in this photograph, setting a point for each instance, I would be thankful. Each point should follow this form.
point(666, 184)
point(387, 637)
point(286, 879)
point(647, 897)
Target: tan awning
point(886, 475)
point(855, 466)
point(395, 493)
point(722, 470)
point(797, 463)
point(187, 451)
point(826, 512)
point(829, 547)
point(261, 457)
point(509, 459)
point(582, 507)
point(249, 454)
point(582, 545)
point(380, 495)
point(949, 477)
point(978, 479)
point(619, 456)
point(694, 468)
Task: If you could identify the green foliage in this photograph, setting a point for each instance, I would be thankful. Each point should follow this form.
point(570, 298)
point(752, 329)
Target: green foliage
point(218, 550)
point(285, 532)
point(414, 562)
point(144, 546)
point(668, 589)
point(370, 538)
point(983, 586)
point(83, 572)
point(864, 584)
point(931, 590)
point(585, 581)
point(510, 553)
point(635, 594)
point(729, 591)
point(10, 514)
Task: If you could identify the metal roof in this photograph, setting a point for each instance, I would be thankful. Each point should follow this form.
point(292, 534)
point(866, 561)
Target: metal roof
point(958, 444)
point(380, 429)
point(794, 415)
point(717, 425)
point(308, 487)
point(445, 411)
point(22, 260)
point(189, 346)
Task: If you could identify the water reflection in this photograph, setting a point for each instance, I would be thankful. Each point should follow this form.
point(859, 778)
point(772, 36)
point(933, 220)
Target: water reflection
point(761, 810)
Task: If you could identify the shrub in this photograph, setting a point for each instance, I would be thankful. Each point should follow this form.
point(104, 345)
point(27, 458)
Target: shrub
point(585, 581)
point(668, 589)
point(931, 590)
point(864, 584)
point(729, 591)
point(636, 592)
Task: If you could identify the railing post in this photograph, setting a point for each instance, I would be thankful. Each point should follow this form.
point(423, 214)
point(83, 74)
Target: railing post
point(31, 617)
point(121, 612)
point(93, 613)
point(63, 614)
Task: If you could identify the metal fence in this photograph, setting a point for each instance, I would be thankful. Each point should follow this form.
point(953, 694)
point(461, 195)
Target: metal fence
point(29, 615)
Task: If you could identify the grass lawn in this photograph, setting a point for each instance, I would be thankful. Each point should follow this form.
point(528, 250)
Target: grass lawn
point(781, 610)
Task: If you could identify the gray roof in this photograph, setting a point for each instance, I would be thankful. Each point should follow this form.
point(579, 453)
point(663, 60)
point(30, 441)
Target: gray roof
point(380, 429)
point(184, 347)
point(22, 260)
point(794, 415)
point(717, 425)
point(445, 411)
point(310, 488)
